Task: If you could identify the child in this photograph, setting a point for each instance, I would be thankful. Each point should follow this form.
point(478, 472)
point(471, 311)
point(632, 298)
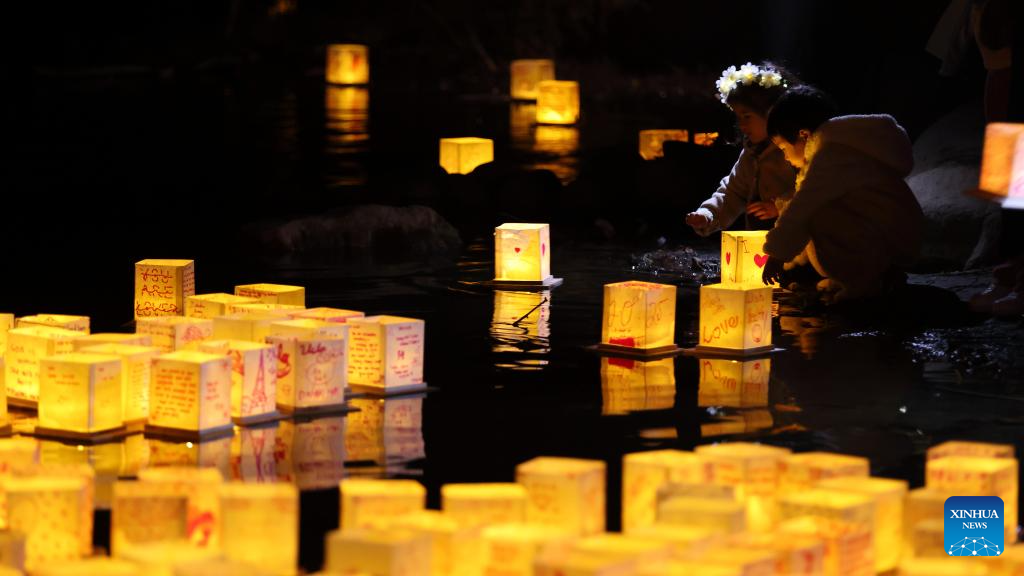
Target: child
point(852, 213)
point(761, 175)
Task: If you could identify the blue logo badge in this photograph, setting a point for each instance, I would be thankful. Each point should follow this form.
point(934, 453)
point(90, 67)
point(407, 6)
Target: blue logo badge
point(974, 526)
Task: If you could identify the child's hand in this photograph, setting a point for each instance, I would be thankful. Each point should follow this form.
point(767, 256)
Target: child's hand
point(697, 220)
point(772, 273)
point(763, 210)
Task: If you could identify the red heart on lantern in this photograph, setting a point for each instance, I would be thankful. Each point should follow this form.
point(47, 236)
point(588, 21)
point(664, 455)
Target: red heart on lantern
point(760, 260)
point(543, 248)
point(517, 249)
point(728, 257)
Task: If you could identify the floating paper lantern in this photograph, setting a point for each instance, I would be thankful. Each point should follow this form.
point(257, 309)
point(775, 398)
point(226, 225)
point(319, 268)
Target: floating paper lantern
point(282, 310)
point(311, 454)
point(558, 102)
point(259, 525)
point(463, 155)
point(522, 253)
point(250, 326)
point(921, 505)
point(5, 425)
point(734, 383)
point(309, 328)
point(169, 558)
point(561, 141)
point(190, 394)
point(339, 315)
point(112, 338)
point(1002, 162)
point(311, 371)
point(737, 560)
point(80, 394)
point(274, 293)
point(735, 319)
point(888, 496)
point(743, 257)
point(170, 333)
point(794, 555)
point(368, 503)
point(743, 422)
point(12, 553)
point(927, 540)
point(252, 455)
point(201, 486)
point(511, 549)
point(136, 376)
point(753, 469)
point(484, 504)
point(685, 540)
point(455, 549)
point(527, 74)
point(643, 473)
point(89, 567)
point(567, 493)
point(386, 433)
point(348, 64)
point(386, 353)
point(639, 316)
point(838, 505)
point(378, 552)
point(802, 471)
point(972, 476)
point(49, 511)
point(146, 512)
point(73, 323)
point(849, 549)
point(253, 378)
point(555, 560)
point(161, 287)
point(26, 347)
point(652, 142)
point(213, 305)
point(973, 449)
point(629, 385)
point(721, 516)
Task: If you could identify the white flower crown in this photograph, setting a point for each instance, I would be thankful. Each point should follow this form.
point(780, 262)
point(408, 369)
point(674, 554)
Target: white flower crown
point(747, 75)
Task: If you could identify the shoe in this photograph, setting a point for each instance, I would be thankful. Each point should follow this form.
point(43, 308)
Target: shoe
point(1010, 305)
point(983, 301)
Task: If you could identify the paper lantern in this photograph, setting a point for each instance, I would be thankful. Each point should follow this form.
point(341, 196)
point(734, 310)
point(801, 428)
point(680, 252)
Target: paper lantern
point(888, 496)
point(973, 449)
point(484, 504)
point(558, 102)
point(942, 567)
point(90, 567)
point(684, 540)
point(735, 319)
point(252, 455)
point(348, 64)
point(392, 553)
point(1002, 161)
point(386, 354)
point(250, 326)
point(274, 293)
point(100, 464)
point(6, 323)
point(720, 516)
point(629, 385)
point(201, 486)
point(12, 553)
point(463, 155)
point(311, 372)
point(146, 512)
point(190, 394)
point(972, 476)
point(849, 549)
point(259, 525)
point(322, 314)
point(168, 558)
point(928, 540)
point(170, 452)
point(79, 471)
point(754, 470)
point(170, 333)
point(80, 394)
point(110, 338)
point(136, 376)
point(281, 310)
point(73, 323)
point(311, 454)
point(652, 142)
point(802, 471)
point(738, 560)
point(309, 328)
point(1012, 560)
point(557, 560)
point(213, 305)
point(794, 555)
point(223, 567)
point(454, 549)
point(253, 378)
point(368, 503)
point(734, 383)
point(161, 287)
point(522, 253)
point(26, 347)
point(705, 138)
point(639, 316)
point(848, 507)
point(567, 493)
point(511, 549)
point(527, 74)
point(921, 505)
point(49, 512)
point(643, 473)
point(743, 257)
point(384, 433)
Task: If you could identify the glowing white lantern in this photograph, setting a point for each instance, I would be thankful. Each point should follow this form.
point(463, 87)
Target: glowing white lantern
point(49, 511)
point(652, 142)
point(190, 394)
point(386, 354)
point(511, 549)
point(735, 319)
point(170, 333)
point(743, 257)
point(136, 376)
point(259, 524)
point(802, 471)
point(973, 449)
point(274, 293)
point(463, 155)
point(26, 347)
point(639, 316)
point(522, 253)
point(558, 102)
point(201, 486)
point(348, 64)
point(311, 372)
point(753, 469)
point(633, 386)
point(161, 287)
point(339, 315)
point(252, 455)
point(566, 493)
point(368, 503)
point(311, 453)
point(385, 432)
point(253, 378)
point(111, 338)
point(80, 394)
point(734, 383)
point(213, 305)
point(644, 473)
point(391, 552)
point(146, 512)
point(972, 476)
point(1002, 162)
point(73, 323)
point(526, 74)
point(251, 326)
point(17, 452)
point(478, 505)
point(888, 496)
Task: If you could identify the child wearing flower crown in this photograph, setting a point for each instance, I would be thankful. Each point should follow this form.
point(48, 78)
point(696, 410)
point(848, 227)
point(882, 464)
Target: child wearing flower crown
point(761, 180)
point(852, 214)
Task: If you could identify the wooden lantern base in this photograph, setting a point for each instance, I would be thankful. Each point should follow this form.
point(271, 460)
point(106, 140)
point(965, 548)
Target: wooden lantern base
point(257, 419)
point(364, 390)
point(525, 285)
point(23, 403)
point(658, 353)
point(313, 411)
point(727, 353)
point(163, 433)
point(98, 437)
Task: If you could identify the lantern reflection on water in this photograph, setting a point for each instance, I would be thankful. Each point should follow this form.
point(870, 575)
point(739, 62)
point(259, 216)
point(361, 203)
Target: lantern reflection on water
point(311, 453)
point(105, 460)
point(558, 102)
point(526, 74)
point(252, 454)
point(733, 383)
point(214, 453)
point(348, 134)
point(521, 328)
point(383, 435)
point(348, 64)
point(632, 386)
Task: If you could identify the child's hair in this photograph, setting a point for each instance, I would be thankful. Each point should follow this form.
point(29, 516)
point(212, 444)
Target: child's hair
point(760, 93)
point(801, 108)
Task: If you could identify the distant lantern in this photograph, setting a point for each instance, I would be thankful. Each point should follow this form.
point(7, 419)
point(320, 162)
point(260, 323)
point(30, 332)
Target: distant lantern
point(558, 102)
point(26, 347)
point(190, 394)
point(48, 510)
point(705, 138)
point(273, 293)
point(311, 371)
point(213, 305)
point(170, 333)
point(629, 385)
point(567, 493)
point(378, 552)
point(639, 317)
point(973, 449)
point(253, 378)
point(111, 338)
point(144, 513)
point(743, 257)
point(484, 504)
point(463, 155)
point(753, 469)
point(202, 488)
point(369, 503)
point(65, 321)
point(1002, 163)
point(348, 64)
point(136, 376)
point(888, 496)
point(311, 453)
point(253, 327)
point(323, 314)
point(973, 476)
point(733, 383)
point(386, 354)
point(522, 254)
point(80, 395)
point(644, 473)
point(652, 142)
point(387, 433)
point(527, 74)
point(161, 287)
point(259, 524)
point(735, 319)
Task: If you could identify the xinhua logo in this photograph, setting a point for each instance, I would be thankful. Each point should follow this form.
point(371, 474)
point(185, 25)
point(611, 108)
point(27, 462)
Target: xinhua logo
point(974, 526)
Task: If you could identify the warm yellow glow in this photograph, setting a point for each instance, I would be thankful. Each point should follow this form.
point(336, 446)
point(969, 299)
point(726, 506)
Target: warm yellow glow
point(463, 155)
point(526, 74)
point(170, 333)
point(89, 567)
point(386, 352)
point(736, 318)
point(736, 560)
point(100, 464)
point(73, 323)
point(561, 141)
point(136, 375)
point(202, 488)
point(602, 554)
point(888, 527)
point(802, 471)
point(328, 314)
point(311, 453)
point(274, 293)
point(161, 287)
point(640, 315)
point(111, 338)
point(259, 524)
point(705, 138)
point(213, 305)
point(1002, 160)
point(944, 567)
point(249, 326)
point(644, 473)
point(734, 383)
point(80, 392)
point(720, 516)
point(206, 454)
point(831, 505)
point(170, 558)
point(370, 503)
point(972, 476)
point(558, 101)
point(567, 493)
point(511, 549)
point(6, 323)
point(49, 511)
point(347, 104)
point(635, 386)
point(684, 540)
point(522, 252)
point(921, 505)
point(283, 311)
point(455, 550)
point(388, 433)
point(309, 328)
point(190, 391)
point(252, 454)
point(253, 375)
point(848, 547)
point(743, 257)
point(146, 512)
point(484, 504)
point(377, 552)
point(17, 452)
point(973, 449)
point(753, 469)
point(794, 555)
point(311, 371)
point(652, 142)
point(26, 347)
point(348, 64)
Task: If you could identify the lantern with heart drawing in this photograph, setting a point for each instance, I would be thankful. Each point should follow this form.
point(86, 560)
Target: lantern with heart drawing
point(743, 256)
point(522, 253)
